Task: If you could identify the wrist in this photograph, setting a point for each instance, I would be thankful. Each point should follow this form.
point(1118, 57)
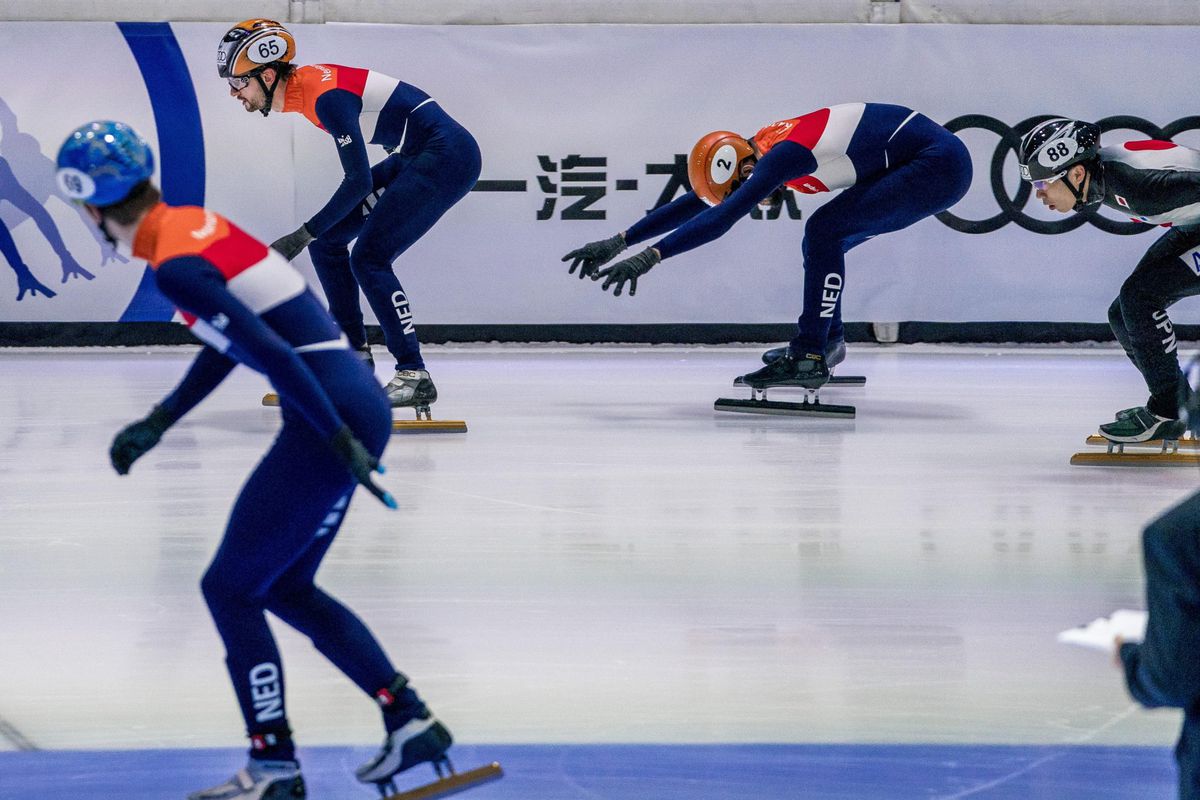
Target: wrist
point(161, 418)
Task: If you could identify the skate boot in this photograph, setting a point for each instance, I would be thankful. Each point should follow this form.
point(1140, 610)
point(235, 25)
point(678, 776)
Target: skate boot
point(809, 372)
point(1141, 425)
point(411, 388)
point(835, 353)
point(419, 740)
point(259, 780)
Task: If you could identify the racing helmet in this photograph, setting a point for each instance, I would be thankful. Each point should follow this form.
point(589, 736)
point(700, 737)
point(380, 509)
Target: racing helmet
point(713, 165)
point(1056, 145)
point(101, 162)
point(253, 45)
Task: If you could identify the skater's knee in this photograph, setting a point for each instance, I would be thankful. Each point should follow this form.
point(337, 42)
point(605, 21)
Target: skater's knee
point(222, 589)
point(215, 588)
point(324, 247)
point(1116, 319)
point(285, 600)
point(1135, 296)
point(367, 265)
point(823, 230)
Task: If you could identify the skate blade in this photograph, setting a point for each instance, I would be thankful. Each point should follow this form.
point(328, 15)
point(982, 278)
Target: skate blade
point(271, 400)
point(452, 784)
point(429, 426)
point(1157, 444)
point(784, 409)
point(1142, 459)
point(847, 380)
point(810, 385)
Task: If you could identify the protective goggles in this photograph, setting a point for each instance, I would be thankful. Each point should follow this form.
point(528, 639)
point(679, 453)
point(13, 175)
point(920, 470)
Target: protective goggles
point(1040, 186)
point(237, 84)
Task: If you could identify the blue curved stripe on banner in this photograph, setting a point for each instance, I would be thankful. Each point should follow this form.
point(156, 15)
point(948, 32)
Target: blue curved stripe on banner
point(180, 140)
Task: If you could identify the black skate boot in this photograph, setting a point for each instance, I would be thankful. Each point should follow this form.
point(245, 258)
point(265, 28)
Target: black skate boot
point(835, 353)
point(419, 740)
point(809, 372)
point(364, 353)
point(1141, 425)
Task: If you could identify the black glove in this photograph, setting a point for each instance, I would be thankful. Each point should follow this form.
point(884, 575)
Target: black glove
point(290, 246)
point(628, 270)
point(593, 255)
point(134, 440)
point(360, 462)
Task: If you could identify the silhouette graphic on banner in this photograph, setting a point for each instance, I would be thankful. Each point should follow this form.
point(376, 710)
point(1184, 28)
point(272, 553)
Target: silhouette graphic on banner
point(27, 186)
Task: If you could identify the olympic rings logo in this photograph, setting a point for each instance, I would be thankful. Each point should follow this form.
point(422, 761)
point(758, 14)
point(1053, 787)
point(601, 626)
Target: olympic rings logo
point(1012, 207)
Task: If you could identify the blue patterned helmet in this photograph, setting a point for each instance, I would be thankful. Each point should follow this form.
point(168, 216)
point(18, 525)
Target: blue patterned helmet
point(102, 161)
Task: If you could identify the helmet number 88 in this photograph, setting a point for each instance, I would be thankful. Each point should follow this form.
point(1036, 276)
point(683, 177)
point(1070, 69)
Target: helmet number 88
point(1058, 152)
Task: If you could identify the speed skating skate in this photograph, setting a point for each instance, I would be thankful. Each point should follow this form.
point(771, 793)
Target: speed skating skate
point(421, 740)
point(808, 373)
point(835, 353)
point(413, 388)
point(1180, 452)
point(1139, 438)
point(409, 389)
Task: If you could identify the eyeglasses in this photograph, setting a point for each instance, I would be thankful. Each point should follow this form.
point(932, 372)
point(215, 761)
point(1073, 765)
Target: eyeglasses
point(1040, 186)
point(237, 84)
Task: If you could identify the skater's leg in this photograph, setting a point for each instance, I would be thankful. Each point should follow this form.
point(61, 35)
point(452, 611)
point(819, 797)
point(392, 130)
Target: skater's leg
point(331, 262)
point(1163, 670)
point(336, 631)
point(277, 515)
point(933, 181)
point(1116, 322)
point(1160, 279)
point(330, 254)
point(427, 185)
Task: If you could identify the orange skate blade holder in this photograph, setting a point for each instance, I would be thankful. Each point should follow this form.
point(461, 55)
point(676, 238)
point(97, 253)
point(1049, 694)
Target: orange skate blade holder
point(424, 423)
point(453, 783)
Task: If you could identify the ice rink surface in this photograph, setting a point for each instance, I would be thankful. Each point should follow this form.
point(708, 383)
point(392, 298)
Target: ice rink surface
point(606, 584)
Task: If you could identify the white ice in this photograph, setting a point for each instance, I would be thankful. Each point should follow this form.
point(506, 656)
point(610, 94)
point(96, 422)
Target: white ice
point(603, 557)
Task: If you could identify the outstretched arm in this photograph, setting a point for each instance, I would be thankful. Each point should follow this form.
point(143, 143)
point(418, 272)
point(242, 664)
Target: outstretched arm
point(338, 111)
point(593, 255)
point(786, 161)
point(665, 218)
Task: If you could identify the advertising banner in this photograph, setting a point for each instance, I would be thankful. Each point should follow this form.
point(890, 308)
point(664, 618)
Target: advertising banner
point(583, 129)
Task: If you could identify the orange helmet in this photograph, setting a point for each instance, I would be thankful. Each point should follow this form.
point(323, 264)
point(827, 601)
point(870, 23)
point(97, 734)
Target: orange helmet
point(251, 46)
point(713, 165)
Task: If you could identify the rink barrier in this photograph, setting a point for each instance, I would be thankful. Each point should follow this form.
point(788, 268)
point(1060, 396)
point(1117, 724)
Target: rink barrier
point(140, 334)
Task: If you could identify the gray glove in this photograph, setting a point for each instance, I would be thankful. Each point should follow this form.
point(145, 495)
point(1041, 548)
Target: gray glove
point(290, 246)
point(629, 271)
point(593, 255)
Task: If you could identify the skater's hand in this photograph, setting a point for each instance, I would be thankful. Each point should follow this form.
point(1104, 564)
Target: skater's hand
point(594, 255)
point(361, 463)
point(629, 271)
point(136, 439)
point(290, 246)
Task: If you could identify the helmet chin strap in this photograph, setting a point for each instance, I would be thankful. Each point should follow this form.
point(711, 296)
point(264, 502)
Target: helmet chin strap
point(119, 247)
point(268, 92)
point(1095, 189)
